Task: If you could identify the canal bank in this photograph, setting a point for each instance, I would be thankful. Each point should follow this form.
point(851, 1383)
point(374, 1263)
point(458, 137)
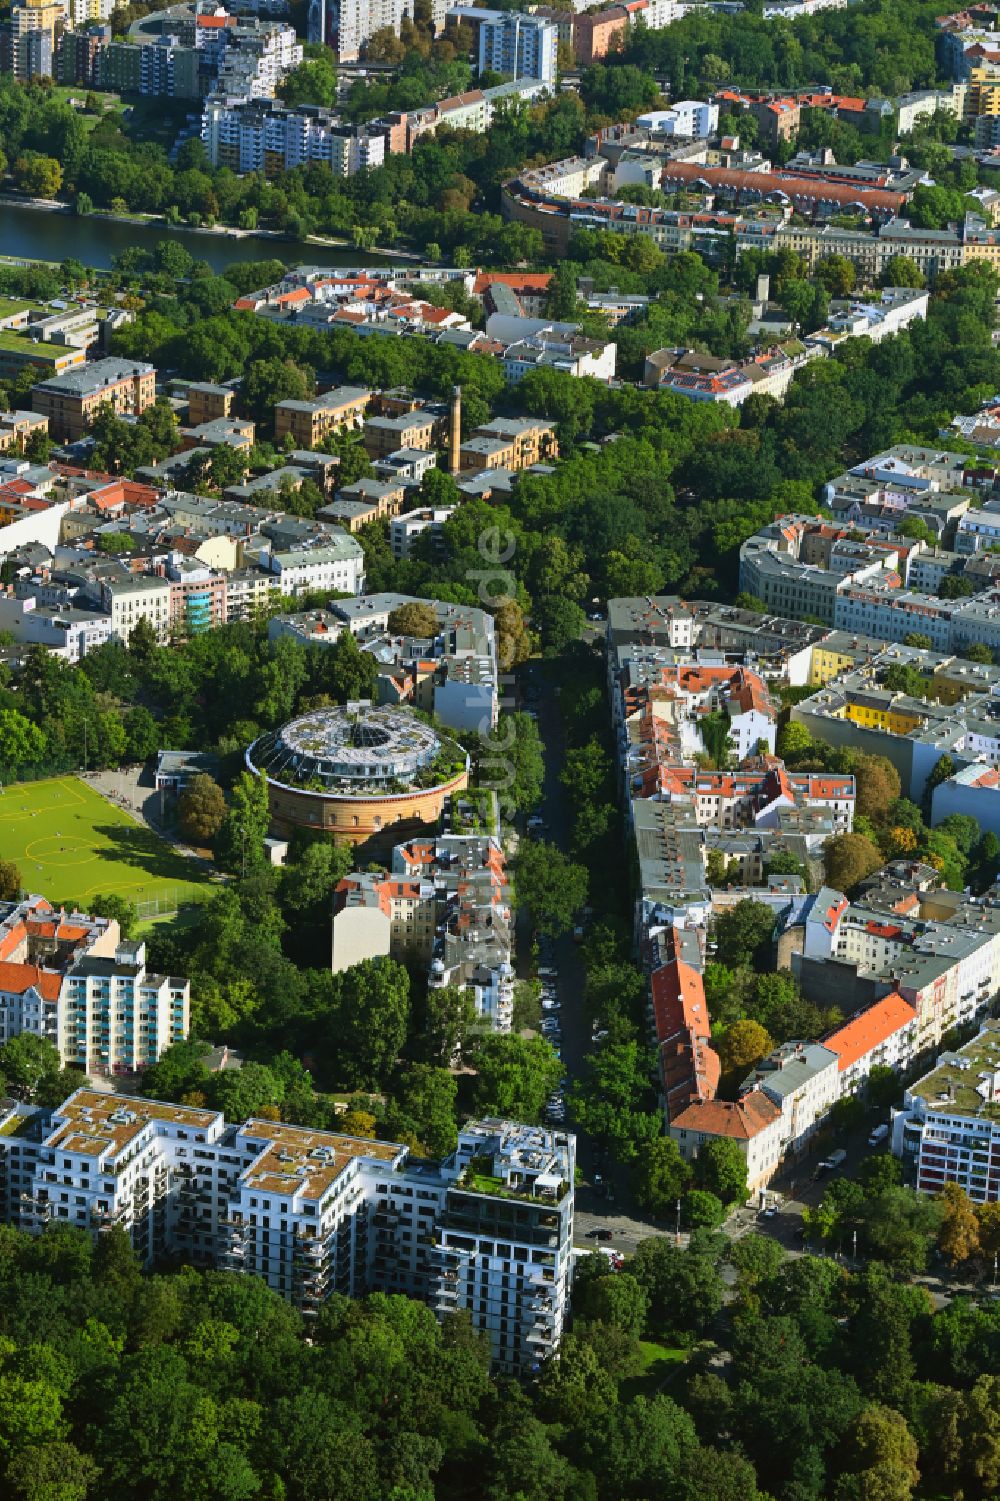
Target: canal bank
point(36, 232)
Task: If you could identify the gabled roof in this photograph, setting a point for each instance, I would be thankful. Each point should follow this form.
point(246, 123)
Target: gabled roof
point(17, 979)
point(869, 1029)
point(738, 1120)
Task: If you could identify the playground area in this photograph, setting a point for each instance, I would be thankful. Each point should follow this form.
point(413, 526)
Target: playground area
point(71, 844)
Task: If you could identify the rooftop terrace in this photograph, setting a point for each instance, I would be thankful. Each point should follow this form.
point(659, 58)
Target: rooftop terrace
point(966, 1081)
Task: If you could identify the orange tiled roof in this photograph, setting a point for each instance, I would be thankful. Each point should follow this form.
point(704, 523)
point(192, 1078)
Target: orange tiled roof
point(870, 1028)
point(739, 1120)
point(15, 979)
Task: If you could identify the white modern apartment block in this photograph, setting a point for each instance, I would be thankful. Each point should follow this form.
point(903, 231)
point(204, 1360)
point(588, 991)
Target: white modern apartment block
point(63, 630)
point(403, 530)
point(949, 1123)
point(258, 135)
point(688, 117)
point(876, 317)
point(73, 980)
point(348, 24)
point(488, 1230)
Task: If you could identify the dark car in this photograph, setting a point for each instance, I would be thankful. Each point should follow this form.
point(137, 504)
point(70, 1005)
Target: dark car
point(599, 1235)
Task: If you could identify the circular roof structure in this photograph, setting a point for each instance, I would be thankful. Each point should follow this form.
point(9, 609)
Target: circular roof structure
point(345, 751)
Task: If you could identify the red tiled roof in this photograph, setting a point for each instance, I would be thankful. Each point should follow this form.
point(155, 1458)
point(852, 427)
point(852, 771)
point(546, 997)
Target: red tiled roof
point(11, 940)
point(738, 1120)
point(792, 187)
point(15, 979)
point(534, 283)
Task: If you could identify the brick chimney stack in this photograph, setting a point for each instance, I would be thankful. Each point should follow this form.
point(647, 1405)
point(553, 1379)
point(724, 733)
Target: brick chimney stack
point(455, 431)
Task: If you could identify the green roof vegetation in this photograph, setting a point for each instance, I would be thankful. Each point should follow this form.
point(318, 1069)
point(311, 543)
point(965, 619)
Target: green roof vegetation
point(42, 354)
point(953, 1084)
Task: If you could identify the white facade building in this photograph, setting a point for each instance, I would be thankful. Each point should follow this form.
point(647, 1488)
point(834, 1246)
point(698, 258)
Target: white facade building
point(489, 1229)
point(688, 117)
point(128, 601)
point(403, 530)
point(72, 979)
point(339, 565)
point(63, 630)
point(258, 135)
point(949, 1124)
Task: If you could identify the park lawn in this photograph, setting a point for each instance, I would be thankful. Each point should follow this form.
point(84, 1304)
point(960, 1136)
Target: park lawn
point(64, 93)
point(657, 1361)
point(71, 843)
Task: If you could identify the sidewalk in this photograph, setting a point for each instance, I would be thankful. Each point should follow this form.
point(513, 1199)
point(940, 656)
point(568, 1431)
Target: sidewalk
point(123, 788)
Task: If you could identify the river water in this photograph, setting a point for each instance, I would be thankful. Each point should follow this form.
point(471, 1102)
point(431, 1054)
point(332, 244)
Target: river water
point(32, 234)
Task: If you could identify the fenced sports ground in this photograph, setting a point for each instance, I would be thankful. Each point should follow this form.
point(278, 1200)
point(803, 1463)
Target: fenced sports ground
point(71, 843)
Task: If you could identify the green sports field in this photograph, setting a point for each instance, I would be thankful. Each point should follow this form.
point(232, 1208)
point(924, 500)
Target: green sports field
point(70, 844)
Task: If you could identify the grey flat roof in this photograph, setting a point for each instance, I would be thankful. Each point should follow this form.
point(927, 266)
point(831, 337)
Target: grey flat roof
point(88, 378)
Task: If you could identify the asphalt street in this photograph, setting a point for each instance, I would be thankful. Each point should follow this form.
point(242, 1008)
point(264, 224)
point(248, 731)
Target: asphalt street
point(594, 1208)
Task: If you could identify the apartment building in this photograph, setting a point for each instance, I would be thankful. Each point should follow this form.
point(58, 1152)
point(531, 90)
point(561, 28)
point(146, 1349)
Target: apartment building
point(208, 402)
point(376, 915)
point(414, 429)
point(197, 596)
point(799, 567)
point(127, 600)
point(74, 981)
point(598, 32)
point(365, 501)
point(884, 1035)
point(904, 945)
point(452, 674)
point(311, 421)
point(949, 1122)
point(488, 1230)
point(752, 796)
point(691, 118)
point(689, 1066)
point(753, 1122)
point(474, 944)
point(443, 905)
point(337, 563)
point(260, 135)
point(892, 614)
point(255, 58)
point(72, 400)
point(405, 529)
point(512, 42)
point(77, 55)
point(17, 427)
point(803, 1080)
point(513, 443)
point(63, 630)
point(704, 377)
point(349, 25)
